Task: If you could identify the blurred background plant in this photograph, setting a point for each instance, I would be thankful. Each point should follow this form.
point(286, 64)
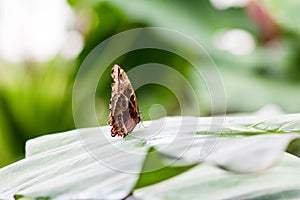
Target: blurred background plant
point(255, 45)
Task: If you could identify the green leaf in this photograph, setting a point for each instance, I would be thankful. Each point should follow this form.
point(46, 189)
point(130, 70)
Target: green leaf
point(21, 197)
point(294, 147)
point(60, 166)
point(89, 163)
point(155, 170)
point(208, 182)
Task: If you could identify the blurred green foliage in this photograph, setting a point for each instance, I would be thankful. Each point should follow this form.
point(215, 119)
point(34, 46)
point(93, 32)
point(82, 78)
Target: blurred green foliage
point(36, 98)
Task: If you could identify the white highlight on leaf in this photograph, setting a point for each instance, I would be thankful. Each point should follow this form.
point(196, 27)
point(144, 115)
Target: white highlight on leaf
point(236, 41)
point(225, 4)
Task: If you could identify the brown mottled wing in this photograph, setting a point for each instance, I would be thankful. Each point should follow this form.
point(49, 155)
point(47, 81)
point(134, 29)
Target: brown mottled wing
point(124, 111)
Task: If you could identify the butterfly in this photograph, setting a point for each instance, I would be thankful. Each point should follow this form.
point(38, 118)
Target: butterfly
point(124, 111)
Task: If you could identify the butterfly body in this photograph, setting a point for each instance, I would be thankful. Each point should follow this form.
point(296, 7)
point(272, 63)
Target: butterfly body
point(124, 111)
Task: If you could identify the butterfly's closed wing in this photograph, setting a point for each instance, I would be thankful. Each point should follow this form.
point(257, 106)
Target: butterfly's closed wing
point(124, 111)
